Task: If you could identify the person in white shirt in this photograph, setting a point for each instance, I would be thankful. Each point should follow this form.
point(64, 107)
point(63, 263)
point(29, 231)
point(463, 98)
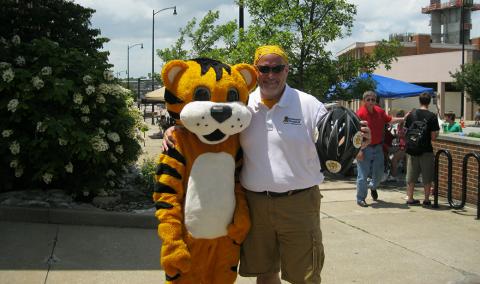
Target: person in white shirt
point(281, 173)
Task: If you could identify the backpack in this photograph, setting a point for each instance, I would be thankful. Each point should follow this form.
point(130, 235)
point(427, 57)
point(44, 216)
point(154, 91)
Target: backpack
point(416, 136)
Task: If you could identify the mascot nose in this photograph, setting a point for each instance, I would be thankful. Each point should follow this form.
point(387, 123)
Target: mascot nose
point(221, 113)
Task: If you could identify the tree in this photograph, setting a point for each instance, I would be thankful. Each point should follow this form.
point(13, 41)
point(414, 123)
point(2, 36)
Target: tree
point(64, 120)
point(469, 80)
point(303, 28)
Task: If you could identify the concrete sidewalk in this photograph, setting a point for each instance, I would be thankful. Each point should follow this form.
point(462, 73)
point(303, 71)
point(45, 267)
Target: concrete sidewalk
point(388, 242)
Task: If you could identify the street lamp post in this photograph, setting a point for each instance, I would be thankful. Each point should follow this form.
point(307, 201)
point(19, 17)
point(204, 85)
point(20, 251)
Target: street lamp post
point(128, 62)
point(120, 72)
point(153, 35)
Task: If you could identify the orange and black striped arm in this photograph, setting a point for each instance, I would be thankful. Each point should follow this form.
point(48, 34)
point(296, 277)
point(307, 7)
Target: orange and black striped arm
point(169, 196)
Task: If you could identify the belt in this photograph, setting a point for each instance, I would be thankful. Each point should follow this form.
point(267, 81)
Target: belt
point(281, 194)
point(373, 145)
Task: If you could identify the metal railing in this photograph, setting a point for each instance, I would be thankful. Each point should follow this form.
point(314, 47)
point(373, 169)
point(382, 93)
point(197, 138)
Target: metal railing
point(464, 181)
point(449, 178)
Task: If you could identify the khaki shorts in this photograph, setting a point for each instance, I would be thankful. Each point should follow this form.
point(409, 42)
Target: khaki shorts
point(285, 234)
point(425, 164)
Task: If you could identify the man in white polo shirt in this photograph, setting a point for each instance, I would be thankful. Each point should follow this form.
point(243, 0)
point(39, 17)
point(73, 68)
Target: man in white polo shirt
point(281, 173)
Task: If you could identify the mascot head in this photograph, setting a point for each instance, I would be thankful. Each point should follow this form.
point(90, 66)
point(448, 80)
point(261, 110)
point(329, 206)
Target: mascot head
point(208, 97)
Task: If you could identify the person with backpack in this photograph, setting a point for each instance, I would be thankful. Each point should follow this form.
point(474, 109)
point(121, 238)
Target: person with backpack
point(370, 161)
point(422, 128)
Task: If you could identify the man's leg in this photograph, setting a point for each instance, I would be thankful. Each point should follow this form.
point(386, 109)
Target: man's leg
point(363, 171)
point(377, 169)
point(271, 278)
point(413, 170)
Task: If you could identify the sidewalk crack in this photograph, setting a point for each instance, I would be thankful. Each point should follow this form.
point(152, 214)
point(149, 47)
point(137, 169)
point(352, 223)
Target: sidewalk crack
point(52, 258)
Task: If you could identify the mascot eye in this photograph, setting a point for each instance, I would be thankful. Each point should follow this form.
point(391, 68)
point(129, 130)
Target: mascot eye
point(201, 94)
point(232, 95)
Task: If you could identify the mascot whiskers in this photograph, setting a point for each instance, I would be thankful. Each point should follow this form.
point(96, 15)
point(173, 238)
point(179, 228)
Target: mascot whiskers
point(201, 207)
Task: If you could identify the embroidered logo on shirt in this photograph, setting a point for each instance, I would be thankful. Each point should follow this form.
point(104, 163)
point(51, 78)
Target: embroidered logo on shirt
point(293, 121)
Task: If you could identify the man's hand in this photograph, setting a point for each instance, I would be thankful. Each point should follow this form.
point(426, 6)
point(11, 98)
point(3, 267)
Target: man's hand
point(168, 140)
point(366, 134)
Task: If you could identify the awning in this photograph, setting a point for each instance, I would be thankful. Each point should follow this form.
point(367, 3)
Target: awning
point(155, 96)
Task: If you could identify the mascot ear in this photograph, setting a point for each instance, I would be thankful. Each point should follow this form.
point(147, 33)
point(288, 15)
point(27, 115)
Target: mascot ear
point(172, 71)
point(248, 73)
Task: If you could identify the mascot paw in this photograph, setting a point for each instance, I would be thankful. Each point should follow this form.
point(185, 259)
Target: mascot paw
point(176, 259)
point(238, 233)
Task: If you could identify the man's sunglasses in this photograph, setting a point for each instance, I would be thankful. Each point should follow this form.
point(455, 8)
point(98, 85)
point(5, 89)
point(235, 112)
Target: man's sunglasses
point(370, 100)
point(267, 69)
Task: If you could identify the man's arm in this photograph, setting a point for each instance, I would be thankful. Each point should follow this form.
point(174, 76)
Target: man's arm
point(168, 139)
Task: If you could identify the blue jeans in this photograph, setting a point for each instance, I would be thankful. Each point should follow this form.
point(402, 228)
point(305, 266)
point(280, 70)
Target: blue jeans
point(370, 166)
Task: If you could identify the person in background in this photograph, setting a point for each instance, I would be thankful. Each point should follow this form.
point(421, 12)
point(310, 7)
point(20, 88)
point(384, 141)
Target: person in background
point(477, 118)
point(450, 124)
point(422, 163)
point(370, 161)
point(399, 153)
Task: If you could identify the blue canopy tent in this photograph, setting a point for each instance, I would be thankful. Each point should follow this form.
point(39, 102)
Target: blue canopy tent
point(392, 88)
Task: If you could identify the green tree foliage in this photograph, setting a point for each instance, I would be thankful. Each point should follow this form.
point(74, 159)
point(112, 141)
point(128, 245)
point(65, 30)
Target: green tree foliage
point(64, 120)
point(469, 80)
point(303, 28)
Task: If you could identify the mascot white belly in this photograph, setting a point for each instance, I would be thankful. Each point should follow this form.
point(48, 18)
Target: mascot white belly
point(210, 198)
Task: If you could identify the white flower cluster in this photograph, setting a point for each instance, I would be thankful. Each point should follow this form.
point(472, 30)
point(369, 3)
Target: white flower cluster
point(47, 178)
point(85, 110)
point(113, 158)
point(90, 90)
point(69, 168)
point(41, 127)
point(104, 122)
point(16, 40)
point(14, 164)
point(37, 83)
point(46, 71)
point(87, 79)
point(85, 119)
point(62, 142)
point(20, 60)
point(101, 132)
point(113, 136)
point(77, 98)
point(7, 133)
point(110, 173)
point(12, 105)
point(101, 99)
point(99, 144)
point(8, 75)
point(15, 148)
point(4, 65)
point(108, 75)
point(119, 149)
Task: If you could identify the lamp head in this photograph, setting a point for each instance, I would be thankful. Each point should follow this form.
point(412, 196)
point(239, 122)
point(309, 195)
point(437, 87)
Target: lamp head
point(141, 45)
point(174, 10)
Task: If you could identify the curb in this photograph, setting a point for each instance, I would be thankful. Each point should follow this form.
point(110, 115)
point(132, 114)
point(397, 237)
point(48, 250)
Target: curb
point(78, 217)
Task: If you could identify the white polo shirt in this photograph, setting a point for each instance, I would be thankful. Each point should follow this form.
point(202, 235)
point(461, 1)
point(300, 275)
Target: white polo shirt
point(279, 153)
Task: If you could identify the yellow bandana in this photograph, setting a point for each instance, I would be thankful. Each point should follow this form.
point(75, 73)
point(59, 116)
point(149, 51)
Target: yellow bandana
point(270, 49)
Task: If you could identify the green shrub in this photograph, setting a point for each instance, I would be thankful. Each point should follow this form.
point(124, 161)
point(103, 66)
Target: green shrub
point(64, 120)
point(147, 172)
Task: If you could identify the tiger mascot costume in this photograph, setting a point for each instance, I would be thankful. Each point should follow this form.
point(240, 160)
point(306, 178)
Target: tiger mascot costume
point(201, 207)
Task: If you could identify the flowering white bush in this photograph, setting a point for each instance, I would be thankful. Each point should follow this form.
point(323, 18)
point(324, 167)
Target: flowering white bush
point(63, 115)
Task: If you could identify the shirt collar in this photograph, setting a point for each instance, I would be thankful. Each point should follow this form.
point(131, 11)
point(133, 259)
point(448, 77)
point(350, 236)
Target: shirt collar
point(283, 102)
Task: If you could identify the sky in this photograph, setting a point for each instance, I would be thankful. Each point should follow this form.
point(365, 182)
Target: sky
point(129, 22)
